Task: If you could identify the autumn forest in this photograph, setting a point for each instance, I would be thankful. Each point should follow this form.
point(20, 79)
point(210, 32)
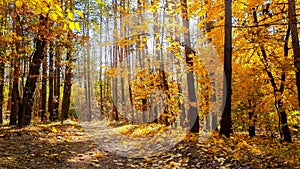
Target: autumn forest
point(149, 84)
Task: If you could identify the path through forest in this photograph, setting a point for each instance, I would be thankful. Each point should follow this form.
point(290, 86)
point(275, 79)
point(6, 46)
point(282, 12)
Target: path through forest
point(71, 146)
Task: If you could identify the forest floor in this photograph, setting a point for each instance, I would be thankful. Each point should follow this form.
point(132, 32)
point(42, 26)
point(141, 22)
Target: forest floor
point(73, 146)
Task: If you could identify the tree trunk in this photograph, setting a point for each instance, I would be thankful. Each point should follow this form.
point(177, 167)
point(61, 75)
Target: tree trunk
point(50, 96)
point(89, 87)
point(192, 114)
point(278, 92)
point(10, 87)
point(15, 95)
point(214, 121)
point(101, 81)
point(67, 83)
point(226, 123)
point(283, 125)
point(1, 90)
point(115, 64)
point(87, 68)
point(252, 119)
point(56, 99)
point(43, 90)
point(285, 128)
point(15, 98)
point(181, 106)
point(25, 108)
point(295, 42)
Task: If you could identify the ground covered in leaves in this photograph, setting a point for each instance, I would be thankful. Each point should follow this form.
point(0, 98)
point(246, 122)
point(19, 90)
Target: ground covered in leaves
point(71, 146)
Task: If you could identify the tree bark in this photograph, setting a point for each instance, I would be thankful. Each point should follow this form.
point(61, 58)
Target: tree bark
point(252, 119)
point(278, 91)
point(15, 95)
point(57, 71)
point(51, 80)
point(10, 87)
point(25, 108)
point(295, 42)
point(192, 114)
point(15, 98)
point(67, 82)
point(43, 90)
point(115, 64)
point(1, 90)
point(226, 123)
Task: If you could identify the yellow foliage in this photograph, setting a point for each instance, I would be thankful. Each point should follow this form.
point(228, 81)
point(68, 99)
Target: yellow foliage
point(19, 3)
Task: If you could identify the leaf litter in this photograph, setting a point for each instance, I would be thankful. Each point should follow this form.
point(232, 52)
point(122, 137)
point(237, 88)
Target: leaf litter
point(70, 146)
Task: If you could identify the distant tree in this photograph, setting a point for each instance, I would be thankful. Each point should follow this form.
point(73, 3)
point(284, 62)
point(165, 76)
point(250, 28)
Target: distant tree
point(192, 112)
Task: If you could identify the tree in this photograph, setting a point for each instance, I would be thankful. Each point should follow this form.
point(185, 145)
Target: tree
point(68, 80)
point(115, 54)
point(24, 112)
point(57, 81)
point(50, 83)
point(226, 116)
point(44, 87)
point(192, 114)
point(2, 69)
point(70, 50)
point(292, 21)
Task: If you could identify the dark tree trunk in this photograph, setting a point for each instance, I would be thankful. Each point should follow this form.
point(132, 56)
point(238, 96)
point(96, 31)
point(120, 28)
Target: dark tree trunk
point(252, 119)
point(67, 86)
point(50, 96)
point(278, 92)
point(1, 90)
point(226, 123)
point(43, 91)
point(131, 109)
point(15, 95)
point(56, 99)
point(15, 98)
point(295, 42)
point(285, 128)
point(25, 108)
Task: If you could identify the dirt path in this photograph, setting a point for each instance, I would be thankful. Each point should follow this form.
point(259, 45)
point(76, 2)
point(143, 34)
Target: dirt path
point(71, 146)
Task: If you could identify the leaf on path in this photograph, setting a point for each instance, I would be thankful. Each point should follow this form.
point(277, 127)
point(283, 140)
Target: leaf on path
point(54, 130)
point(95, 165)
